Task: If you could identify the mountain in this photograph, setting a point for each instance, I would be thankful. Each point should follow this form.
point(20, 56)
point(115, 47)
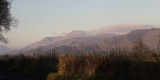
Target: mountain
point(51, 40)
point(44, 42)
point(71, 44)
point(100, 42)
point(87, 40)
point(80, 36)
point(4, 49)
point(149, 36)
point(81, 40)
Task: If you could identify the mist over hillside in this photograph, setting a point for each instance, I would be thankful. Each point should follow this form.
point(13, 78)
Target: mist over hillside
point(123, 28)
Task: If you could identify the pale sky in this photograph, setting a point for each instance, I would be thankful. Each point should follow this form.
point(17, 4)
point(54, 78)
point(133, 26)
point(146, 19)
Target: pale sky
point(44, 18)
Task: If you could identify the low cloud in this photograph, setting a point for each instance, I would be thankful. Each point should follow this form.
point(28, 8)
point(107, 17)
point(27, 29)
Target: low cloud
point(120, 29)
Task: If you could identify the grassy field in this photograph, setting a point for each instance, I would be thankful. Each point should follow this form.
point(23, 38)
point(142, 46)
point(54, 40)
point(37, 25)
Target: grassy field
point(121, 65)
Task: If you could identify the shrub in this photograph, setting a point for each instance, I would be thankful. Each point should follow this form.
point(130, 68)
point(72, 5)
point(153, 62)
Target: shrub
point(52, 76)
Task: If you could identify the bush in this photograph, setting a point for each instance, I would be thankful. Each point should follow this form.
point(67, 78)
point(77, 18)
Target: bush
point(52, 76)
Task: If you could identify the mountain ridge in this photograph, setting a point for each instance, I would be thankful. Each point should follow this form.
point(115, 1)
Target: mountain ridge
point(102, 40)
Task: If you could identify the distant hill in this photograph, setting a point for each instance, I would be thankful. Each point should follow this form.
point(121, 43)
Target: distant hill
point(4, 49)
point(44, 42)
point(50, 40)
point(82, 40)
point(74, 37)
point(149, 36)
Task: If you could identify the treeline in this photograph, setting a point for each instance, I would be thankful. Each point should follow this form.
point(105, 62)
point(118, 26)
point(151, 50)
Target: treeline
point(38, 66)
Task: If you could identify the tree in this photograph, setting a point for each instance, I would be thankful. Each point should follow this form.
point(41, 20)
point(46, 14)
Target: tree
point(158, 45)
point(6, 19)
point(139, 46)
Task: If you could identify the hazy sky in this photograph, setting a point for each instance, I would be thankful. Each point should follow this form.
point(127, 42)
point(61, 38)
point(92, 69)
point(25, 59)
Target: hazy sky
point(42, 18)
